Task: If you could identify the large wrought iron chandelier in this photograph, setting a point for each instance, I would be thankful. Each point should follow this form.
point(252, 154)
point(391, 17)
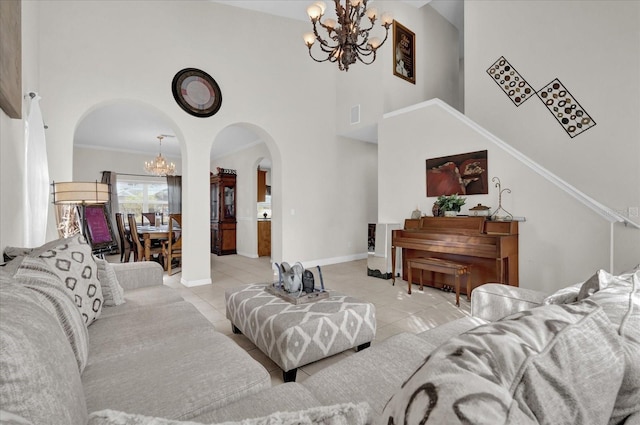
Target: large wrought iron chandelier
point(159, 166)
point(346, 41)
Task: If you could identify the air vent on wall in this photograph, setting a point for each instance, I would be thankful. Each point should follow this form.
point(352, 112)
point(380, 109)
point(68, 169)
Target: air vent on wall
point(355, 114)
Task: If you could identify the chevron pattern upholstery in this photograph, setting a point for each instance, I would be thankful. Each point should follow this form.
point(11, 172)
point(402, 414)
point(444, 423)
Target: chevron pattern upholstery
point(296, 335)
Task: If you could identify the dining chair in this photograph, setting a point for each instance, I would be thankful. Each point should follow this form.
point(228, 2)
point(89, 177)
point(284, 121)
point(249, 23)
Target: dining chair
point(138, 242)
point(172, 248)
point(126, 244)
point(151, 217)
point(135, 238)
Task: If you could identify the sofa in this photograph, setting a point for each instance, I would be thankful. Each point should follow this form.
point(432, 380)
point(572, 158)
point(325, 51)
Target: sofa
point(133, 346)
point(522, 357)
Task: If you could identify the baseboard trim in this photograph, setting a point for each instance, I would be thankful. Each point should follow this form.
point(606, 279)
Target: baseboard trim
point(246, 254)
point(192, 283)
point(334, 260)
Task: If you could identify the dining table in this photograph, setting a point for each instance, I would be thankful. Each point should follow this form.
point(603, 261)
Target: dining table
point(150, 233)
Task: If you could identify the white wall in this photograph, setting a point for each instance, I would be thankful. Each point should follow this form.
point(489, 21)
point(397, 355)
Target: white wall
point(377, 90)
point(245, 163)
point(286, 100)
point(335, 212)
point(560, 243)
point(89, 163)
point(154, 40)
point(593, 48)
point(580, 43)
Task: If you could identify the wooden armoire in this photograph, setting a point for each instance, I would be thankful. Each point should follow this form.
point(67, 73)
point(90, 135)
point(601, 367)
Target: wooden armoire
point(223, 212)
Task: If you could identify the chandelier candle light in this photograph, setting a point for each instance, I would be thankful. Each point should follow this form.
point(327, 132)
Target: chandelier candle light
point(347, 41)
point(159, 166)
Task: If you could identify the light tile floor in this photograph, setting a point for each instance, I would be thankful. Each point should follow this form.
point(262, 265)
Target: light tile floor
point(396, 311)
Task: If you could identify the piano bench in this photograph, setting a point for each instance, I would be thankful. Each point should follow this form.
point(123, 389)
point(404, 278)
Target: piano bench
point(438, 265)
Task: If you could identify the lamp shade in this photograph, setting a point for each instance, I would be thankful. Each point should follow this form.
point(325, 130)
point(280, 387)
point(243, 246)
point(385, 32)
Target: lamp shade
point(80, 193)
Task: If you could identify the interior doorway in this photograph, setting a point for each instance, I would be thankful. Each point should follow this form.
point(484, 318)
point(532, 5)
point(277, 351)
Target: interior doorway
point(255, 149)
point(263, 207)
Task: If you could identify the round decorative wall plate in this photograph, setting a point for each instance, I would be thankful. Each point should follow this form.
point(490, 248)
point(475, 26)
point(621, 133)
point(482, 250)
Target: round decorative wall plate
point(196, 92)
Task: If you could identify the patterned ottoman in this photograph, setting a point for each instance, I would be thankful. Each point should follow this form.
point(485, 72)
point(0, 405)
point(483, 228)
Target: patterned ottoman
point(296, 335)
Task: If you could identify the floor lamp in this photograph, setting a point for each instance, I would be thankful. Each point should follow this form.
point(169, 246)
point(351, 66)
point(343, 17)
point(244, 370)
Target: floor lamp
point(80, 193)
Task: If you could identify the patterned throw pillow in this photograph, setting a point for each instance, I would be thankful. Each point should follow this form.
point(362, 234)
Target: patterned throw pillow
point(619, 297)
point(35, 274)
point(39, 376)
point(12, 252)
point(12, 266)
point(111, 290)
point(71, 259)
point(551, 364)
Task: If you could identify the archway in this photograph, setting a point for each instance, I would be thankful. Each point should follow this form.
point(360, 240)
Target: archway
point(264, 171)
point(130, 126)
point(120, 136)
point(242, 147)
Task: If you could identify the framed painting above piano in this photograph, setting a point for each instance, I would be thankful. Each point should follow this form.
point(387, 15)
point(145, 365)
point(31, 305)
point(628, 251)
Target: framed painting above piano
point(489, 247)
point(462, 174)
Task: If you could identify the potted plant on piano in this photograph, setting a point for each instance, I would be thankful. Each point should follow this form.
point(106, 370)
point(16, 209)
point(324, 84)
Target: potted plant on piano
point(450, 204)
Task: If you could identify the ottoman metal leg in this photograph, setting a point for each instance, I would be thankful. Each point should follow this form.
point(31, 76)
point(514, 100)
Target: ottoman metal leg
point(290, 375)
point(235, 329)
point(363, 346)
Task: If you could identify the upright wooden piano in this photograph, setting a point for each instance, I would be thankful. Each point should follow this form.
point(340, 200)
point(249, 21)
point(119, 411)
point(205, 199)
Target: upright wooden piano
point(489, 247)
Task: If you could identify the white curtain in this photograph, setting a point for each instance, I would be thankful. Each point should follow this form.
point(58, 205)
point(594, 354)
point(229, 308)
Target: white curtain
point(36, 177)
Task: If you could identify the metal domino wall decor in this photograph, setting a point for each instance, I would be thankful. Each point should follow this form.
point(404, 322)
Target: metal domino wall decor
point(510, 81)
point(571, 116)
point(564, 107)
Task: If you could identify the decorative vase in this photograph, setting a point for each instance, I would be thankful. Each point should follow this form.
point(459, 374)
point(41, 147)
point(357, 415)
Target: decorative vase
point(435, 210)
point(480, 210)
point(450, 213)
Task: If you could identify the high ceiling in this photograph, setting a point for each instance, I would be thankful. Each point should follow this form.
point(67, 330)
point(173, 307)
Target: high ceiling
point(452, 10)
point(132, 127)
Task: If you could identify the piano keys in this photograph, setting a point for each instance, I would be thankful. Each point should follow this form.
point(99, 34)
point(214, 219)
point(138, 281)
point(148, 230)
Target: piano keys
point(489, 247)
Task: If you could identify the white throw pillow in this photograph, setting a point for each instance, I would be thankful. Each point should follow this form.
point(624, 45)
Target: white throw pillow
point(573, 293)
point(551, 364)
point(566, 295)
point(111, 290)
point(339, 414)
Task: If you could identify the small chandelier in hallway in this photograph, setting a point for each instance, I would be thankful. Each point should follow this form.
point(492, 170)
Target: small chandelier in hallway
point(159, 166)
point(346, 41)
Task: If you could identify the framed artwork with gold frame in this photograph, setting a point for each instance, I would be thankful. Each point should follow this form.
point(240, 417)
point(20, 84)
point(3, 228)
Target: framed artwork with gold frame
point(404, 52)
